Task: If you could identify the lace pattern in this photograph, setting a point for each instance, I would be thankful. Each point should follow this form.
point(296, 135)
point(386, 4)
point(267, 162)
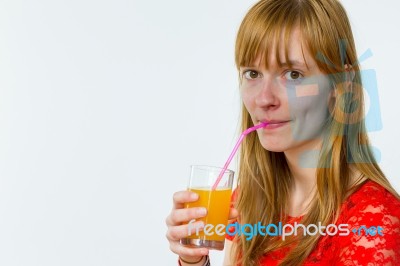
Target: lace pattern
point(373, 218)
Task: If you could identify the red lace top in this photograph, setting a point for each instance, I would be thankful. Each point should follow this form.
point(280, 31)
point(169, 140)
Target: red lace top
point(371, 206)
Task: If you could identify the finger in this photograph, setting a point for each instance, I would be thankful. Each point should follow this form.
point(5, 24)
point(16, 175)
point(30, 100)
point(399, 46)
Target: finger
point(175, 233)
point(182, 197)
point(233, 214)
point(187, 252)
point(179, 216)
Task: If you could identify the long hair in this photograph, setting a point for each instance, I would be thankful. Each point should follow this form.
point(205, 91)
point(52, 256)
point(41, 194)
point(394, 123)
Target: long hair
point(264, 176)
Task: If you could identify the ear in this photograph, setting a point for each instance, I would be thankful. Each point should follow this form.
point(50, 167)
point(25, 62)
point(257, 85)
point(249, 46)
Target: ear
point(332, 94)
point(348, 78)
point(349, 73)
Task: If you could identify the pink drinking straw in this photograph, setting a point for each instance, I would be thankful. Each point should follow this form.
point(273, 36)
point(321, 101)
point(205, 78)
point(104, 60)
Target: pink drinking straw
point(246, 132)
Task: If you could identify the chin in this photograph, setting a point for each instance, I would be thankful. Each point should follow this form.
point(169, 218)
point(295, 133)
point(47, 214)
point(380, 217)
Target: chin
point(273, 147)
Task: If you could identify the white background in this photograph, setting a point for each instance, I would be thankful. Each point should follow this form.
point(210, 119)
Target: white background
point(105, 104)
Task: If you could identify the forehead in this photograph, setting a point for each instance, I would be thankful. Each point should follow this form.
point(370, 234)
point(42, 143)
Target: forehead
point(286, 49)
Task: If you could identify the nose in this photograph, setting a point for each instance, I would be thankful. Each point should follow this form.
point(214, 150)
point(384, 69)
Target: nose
point(268, 94)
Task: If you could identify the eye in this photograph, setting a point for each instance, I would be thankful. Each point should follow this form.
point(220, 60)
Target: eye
point(251, 74)
point(293, 75)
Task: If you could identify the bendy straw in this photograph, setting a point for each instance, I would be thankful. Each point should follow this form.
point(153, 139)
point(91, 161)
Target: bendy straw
point(246, 132)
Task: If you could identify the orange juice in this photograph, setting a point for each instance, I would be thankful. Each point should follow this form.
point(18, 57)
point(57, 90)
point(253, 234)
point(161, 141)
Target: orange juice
point(217, 203)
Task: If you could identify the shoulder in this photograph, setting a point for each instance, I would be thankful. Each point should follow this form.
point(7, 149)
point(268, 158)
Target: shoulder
point(371, 201)
point(372, 215)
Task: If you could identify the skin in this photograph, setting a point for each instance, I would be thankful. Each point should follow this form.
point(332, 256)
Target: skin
point(295, 102)
point(176, 229)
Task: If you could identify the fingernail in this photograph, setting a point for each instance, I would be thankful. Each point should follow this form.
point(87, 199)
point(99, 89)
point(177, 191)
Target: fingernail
point(202, 211)
point(194, 196)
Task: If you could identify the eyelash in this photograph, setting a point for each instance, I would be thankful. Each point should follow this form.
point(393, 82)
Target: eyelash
point(300, 77)
point(248, 71)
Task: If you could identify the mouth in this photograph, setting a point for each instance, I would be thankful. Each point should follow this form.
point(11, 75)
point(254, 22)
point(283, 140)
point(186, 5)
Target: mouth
point(271, 124)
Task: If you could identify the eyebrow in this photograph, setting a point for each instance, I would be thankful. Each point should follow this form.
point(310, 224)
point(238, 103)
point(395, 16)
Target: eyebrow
point(294, 63)
point(297, 63)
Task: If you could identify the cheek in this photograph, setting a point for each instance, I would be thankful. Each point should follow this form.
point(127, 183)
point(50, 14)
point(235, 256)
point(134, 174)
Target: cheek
point(310, 117)
point(310, 98)
point(248, 99)
point(310, 104)
point(309, 108)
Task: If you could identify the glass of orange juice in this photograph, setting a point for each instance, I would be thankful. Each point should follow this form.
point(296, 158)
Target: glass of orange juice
point(217, 203)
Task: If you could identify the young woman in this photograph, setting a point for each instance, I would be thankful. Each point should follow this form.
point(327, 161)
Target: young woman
point(312, 164)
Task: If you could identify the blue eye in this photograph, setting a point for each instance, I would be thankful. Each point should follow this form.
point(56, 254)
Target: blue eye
point(251, 74)
point(293, 75)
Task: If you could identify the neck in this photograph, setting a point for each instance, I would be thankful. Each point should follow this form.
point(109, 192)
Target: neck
point(302, 162)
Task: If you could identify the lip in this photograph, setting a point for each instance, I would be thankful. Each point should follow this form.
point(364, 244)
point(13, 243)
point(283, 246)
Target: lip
point(272, 124)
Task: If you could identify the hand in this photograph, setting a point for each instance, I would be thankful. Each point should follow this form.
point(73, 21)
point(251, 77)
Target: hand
point(177, 229)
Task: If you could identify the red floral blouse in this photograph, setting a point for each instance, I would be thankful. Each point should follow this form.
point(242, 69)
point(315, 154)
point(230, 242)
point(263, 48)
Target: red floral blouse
point(373, 218)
